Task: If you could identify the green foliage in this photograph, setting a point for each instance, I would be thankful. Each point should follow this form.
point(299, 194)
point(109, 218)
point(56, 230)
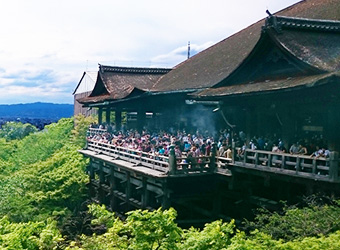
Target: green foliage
point(214, 236)
point(142, 230)
point(43, 180)
point(30, 235)
point(16, 130)
point(293, 222)
point(79, 132)
point(153, 230)
point(42, 175)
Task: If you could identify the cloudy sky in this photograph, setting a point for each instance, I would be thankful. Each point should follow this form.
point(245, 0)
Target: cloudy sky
point(46, 45)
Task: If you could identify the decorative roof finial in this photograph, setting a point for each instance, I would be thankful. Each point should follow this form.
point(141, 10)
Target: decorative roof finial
point(188, 49)
point(269, 14)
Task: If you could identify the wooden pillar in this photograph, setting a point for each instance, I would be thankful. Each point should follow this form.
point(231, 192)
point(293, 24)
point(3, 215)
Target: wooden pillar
point(332, 131)
point(91, 176)
point(100, 115)
point(172, 161)
point(118, 119)
point(141, 119)
point(288, 128)
point(113, 199)
point(334, 166)
point(145, 193)
point(213, 158)
point(108, 116)
point(128, 190)
point(251, 123)
point(166, 196)
point(101, 192)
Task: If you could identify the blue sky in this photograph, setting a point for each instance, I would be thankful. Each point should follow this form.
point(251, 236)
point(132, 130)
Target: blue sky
point(47, 45)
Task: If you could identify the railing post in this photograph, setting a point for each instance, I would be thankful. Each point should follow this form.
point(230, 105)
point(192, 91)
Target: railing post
point(298, 166)
point(245, 156)
point(234, 152)
point(172, 161)
point(256, 155)
point(213, 158)
point(334, 166)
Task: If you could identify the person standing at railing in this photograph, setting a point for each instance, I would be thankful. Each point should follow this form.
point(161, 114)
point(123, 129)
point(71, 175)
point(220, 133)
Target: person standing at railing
point(302, 150)
point(228, 153)
point(208, 148)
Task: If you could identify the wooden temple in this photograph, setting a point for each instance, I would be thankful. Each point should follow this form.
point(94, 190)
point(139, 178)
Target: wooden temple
point(279, 76)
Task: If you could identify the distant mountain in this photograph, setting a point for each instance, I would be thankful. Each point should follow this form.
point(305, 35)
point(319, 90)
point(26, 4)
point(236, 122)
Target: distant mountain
point(37, 110)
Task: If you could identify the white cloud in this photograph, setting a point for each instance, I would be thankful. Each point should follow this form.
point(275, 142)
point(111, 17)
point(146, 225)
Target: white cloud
point(46, 45)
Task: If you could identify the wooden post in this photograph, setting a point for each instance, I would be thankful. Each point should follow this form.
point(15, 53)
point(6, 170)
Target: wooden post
point(118, 119)
point(141, 119)
point(213, 158)
point(256, 159)
point(145, 193)
point(166, 196)
point(113, 202)
point(283, 162)
point(172, 161)
point(234, 152)
point(108, 116)
point(298, 164)
point(101, 192)
point(100, 116)
point(334, 166)
point(245, 156)
point(128, 190)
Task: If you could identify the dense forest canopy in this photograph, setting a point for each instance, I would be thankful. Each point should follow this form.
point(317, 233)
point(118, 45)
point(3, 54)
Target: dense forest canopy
point(44, 205)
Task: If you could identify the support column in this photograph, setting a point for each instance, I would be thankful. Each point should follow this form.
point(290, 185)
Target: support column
point(113, 199)
point(251, 123)
point(100, 116)
point(166, 203)
point(141, 118)
point(101, 192)
point(288, 128)
point(172, 161)
point(118, 119)
point(334, 166)
point(145, 193)
point(108, 114)
point(128, 190)
point(332, 132)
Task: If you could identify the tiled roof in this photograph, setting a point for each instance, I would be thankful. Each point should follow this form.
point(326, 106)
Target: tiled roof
point(269, 86)
point(120, 82)
point(216, 63)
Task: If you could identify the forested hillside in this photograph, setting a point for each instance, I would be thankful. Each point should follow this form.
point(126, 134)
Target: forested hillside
point(44, 205)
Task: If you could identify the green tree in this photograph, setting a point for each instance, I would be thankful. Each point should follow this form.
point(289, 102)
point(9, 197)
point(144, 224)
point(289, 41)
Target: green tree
point(16, 130)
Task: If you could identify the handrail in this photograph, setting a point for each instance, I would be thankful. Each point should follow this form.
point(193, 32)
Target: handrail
point(96, 131)
point(182, 165)
point(283, 163)
point(300, 164)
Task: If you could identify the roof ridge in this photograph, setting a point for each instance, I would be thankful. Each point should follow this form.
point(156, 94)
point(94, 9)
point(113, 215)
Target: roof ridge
point(138, 70)
point(283, 22)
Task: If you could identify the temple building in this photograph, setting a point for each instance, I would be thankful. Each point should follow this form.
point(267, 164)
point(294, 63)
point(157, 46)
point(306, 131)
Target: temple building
point(278, 76)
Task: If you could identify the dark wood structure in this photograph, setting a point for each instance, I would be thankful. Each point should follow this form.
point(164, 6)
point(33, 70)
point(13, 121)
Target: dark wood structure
point(280, 75)
point(84, 89)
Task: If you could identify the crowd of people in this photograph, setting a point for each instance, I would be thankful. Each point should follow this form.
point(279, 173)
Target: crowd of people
point(159, 143)
point(314, 146)
point(200, 144)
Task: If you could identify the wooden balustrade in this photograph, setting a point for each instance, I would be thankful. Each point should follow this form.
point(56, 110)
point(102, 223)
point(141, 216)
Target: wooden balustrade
point(96, 131)
point(297, 165)
point(326, 168)
point(165, 164)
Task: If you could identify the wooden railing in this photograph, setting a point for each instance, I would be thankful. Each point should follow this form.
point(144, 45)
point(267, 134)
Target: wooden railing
point(95, 131)
point(156, 162)
point(326, 168)
point(297, 165)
